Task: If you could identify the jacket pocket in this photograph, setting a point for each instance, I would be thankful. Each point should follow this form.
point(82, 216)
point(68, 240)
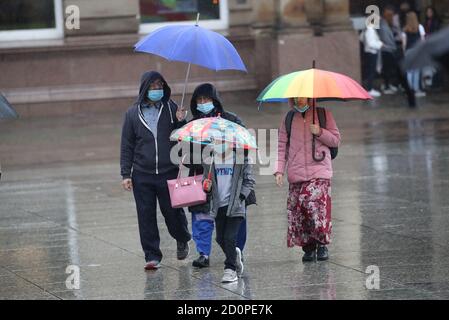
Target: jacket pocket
point(238, 208)
point(293, 166)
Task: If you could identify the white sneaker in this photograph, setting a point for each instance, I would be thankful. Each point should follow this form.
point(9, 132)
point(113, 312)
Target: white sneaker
point(393, 88)
point(374, 93)
point(420, 94)
point(389, 91)
point(239, 263)
point(229, 276)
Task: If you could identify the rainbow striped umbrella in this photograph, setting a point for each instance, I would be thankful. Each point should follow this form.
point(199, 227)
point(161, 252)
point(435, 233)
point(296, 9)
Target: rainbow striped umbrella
point(313, 83)
point(208, 130)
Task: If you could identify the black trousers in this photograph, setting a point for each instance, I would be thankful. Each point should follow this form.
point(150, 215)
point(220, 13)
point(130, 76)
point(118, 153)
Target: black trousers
point(370, 69)
point(147, 189)
point(391, 70)
point(226, 236)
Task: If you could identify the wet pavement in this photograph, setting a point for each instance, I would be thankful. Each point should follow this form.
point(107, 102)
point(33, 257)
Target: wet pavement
point(61, 204)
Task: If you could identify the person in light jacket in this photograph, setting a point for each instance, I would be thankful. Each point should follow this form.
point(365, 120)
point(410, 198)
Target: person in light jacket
point(206, 103)
point(372, 47)
point(228, 188)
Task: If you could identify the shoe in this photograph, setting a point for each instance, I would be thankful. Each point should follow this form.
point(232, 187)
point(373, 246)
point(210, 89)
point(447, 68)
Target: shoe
point(152, 265)
point(322, 253)
point(309, 256)
point(393, 88)
point(201, 262)
point(239, 262)
point(374, 93)
point(229, 276)
point(419, 94)
point(183, 250)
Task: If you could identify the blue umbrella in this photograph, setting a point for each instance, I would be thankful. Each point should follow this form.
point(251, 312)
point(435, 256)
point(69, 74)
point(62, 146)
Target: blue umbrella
point(193, 45)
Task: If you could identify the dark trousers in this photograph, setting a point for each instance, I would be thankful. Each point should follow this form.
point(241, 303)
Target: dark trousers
point(410, 93)
point(202, 230)
point(226, 235)
point(370, 69)
point(389, 68)
point(241, 236)
point(147, 189)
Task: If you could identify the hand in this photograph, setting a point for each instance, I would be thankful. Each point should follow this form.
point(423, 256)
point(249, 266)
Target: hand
point(315, 129)
point(207, 185)
point(279, 179)
point(127, 184)
point(181, 114)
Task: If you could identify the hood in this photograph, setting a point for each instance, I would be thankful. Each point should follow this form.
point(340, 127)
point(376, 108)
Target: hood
point(145, 81)
point(206, 90)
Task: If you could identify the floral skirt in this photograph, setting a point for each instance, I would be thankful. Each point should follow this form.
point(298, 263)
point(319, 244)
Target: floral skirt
point(309, 213)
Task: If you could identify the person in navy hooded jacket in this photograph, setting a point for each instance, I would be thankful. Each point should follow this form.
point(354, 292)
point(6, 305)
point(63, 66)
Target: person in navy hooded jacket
point(146, 166)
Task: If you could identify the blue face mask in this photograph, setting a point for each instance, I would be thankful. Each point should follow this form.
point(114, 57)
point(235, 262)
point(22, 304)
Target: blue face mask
point(303, 109)
point(205, 107)
point(155, 95)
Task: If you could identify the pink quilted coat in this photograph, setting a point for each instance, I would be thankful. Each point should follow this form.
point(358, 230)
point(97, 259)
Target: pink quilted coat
point(297, 159)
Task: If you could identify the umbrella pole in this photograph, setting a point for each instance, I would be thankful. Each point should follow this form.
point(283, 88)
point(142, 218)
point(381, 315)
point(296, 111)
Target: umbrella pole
point(197, 19)
point(185, 86)
point(323, 155)
point(188, 69)
point(313, 109)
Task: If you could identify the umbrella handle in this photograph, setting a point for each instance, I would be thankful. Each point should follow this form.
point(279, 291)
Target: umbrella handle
point(323, 154)
point(207, 183)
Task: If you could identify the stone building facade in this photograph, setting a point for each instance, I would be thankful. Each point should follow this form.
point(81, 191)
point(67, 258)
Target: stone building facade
point(95, 68)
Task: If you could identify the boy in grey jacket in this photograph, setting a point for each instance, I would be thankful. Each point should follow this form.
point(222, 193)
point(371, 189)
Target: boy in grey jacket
point(230, 184)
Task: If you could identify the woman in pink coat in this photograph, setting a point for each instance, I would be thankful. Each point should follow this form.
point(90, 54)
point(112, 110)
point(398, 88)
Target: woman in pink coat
point(309, 199)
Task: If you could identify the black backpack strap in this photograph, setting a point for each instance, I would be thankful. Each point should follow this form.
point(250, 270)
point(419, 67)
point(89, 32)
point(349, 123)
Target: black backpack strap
point(322, 117)
point(288, 124)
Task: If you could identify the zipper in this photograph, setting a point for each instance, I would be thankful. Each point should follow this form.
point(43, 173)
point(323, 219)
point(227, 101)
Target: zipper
point(154, 137)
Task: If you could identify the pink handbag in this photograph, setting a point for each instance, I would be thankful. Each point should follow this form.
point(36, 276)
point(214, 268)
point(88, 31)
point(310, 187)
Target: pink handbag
point(186, 192)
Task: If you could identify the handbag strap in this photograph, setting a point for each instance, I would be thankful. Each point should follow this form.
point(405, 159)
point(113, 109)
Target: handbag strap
point(182, 161)
point(210, 167)
point(180, 165)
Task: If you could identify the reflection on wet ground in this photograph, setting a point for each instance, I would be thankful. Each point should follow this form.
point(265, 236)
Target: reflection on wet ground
point(61, 204)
